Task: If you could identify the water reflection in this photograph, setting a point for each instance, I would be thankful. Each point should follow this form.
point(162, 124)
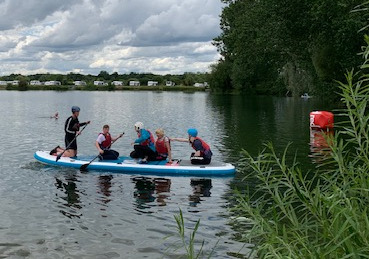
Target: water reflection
point(148, 190)
point(72, 196)
point(105, 184)
point(201, 188)
point(144, 191)
point(162, 189)
point(320, 141)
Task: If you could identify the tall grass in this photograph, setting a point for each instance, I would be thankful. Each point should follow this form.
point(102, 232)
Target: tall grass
point(189, 243)
point(320, 214)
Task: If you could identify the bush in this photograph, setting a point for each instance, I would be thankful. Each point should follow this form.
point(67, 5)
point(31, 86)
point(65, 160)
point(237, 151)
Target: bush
point(321, 214)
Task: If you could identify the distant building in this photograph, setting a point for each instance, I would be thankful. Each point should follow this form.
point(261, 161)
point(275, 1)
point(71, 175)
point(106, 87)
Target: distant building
point(3, 83)
point(152, 83)
point(79, 83)
point(117, 83)
point(100, 83)
point(52, 83)
point(169, 83)
point(134, 83)
point(35, 82)
point(198, 85)
point(14, 82)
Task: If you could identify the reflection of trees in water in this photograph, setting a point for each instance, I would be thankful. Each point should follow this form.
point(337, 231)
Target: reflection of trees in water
point(151, 189)
point(72, 198)
point(201, 188)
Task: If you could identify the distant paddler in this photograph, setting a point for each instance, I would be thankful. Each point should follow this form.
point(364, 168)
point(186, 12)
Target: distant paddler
point(55, 116)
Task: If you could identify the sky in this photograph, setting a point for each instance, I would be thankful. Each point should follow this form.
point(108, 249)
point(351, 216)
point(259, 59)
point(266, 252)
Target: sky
point(89, 36)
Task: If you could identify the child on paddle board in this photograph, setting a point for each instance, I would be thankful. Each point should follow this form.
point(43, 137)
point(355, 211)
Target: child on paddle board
point(162, 146)
point(202, 154)
point(71, 129)
point(59, 150)
point(103, 143)
point(144, 146)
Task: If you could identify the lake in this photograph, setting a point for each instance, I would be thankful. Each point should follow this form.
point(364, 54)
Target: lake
point(51, 212)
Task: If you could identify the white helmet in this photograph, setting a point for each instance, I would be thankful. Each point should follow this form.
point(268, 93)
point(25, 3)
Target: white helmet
point(139, 125)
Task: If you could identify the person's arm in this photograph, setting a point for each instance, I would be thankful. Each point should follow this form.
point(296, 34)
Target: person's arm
point(167, 144)
point(98, 141)
point(144, 136)
point(98, 147)
point(119, 136)
point(70, 126)
point(180, 139)
point(84, 123)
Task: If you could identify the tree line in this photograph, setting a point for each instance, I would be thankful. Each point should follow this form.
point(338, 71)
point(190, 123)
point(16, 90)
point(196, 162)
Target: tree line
point(286, 46)
point(186, 79)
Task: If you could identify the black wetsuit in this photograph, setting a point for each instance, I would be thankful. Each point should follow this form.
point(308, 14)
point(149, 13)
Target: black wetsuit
point(71, 127)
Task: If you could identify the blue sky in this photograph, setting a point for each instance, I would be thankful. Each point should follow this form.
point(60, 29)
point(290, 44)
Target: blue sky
point(87, 36)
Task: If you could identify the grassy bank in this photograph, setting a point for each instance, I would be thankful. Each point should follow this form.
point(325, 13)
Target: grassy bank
point(319, 214)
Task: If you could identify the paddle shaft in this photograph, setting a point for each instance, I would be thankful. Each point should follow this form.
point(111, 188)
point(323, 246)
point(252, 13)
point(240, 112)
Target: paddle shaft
point(59, 156)
point(84, 166)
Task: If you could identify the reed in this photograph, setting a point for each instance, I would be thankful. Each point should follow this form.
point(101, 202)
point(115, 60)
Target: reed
point(193, 248)
point(320, 214)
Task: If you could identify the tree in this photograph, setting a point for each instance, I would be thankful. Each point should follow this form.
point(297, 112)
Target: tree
point(301, 44)
point(105, 75)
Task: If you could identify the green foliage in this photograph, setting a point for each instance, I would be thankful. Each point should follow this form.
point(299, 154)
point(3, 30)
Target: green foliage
point(219, 78)
point(321, 214)
point(188, 243)
point(23, 85)
point(301, 44)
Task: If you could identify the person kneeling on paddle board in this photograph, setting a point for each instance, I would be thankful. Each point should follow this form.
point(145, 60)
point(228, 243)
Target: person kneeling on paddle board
point(103, 143)
point(203, 154)
point(162, 145)
point(145, 144)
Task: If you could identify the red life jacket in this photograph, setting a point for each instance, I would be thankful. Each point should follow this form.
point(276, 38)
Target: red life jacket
point(148, 141)
point(160, 146)
point(203, 143)
point(107, 142)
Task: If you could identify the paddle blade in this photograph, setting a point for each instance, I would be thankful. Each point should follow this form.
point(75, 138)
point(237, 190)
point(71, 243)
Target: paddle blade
point(58, 157)
point(84, 167)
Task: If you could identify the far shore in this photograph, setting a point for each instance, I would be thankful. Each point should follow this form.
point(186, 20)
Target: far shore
point(104, 88)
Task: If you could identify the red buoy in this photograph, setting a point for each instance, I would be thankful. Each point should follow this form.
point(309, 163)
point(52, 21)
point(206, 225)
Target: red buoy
point(321, 120)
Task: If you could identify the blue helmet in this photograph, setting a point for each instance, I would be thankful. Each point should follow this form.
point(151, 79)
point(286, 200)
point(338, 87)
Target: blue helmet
point(75, 109)
point(192, 132)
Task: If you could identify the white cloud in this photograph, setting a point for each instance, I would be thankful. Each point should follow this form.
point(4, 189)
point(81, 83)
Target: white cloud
point(167, 36)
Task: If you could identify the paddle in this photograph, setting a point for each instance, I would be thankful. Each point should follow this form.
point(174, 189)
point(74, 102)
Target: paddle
point(84, 166)
point(59, 156)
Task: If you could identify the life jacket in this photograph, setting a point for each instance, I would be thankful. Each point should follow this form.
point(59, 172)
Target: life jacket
point(148, 142)
point(160, 146)
point(107, 142)
point(204, 145)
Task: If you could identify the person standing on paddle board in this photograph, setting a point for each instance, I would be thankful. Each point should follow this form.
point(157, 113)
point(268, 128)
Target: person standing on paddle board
point(202, 154)
point(71, 129)
point(103, 143)
point(145, 144)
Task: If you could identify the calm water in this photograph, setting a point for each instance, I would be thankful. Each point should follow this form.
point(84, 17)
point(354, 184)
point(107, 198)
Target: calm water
point(49, 212)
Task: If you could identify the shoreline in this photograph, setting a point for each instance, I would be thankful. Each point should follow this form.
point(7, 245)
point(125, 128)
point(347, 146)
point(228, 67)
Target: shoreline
point(103, 88)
